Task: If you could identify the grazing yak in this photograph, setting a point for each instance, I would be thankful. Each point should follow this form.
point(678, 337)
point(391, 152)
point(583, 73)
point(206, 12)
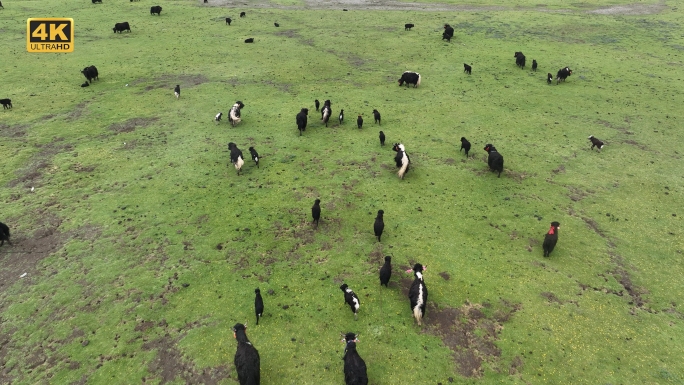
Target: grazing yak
point(93, 1)
point(6, 104)
point(242, 14)
point(355, 371)
point(301, 120)
point(247, 362)
point(120, 27)
point(156, 9)
point(228, 20)
point(90, 73)
point(448, 33)
point(250, 40)
point(519, 59)
point(562, 74)
point(465, 145)
point(407, 27)
point(234, 114)
point(550, 239)
point(467, 69)
point(410, 77)
point(401, 159)
point(236, 157)
point(85, 84)
point(596, 142)
point(494, 160)
point(276, 24)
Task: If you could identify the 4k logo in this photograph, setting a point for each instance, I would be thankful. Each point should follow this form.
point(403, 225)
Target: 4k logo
point(50, 35)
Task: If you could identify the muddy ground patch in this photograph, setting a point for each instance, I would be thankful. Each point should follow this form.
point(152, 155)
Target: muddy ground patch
point(132, 124)
point(31, 175)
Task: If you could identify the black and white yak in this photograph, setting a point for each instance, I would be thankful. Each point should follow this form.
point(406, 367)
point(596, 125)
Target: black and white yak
point(386, 271)
point(409, 77)
point(236, 157)
point(596, 142)
point(341, 117)
point(494, 160)
point(418, 293)
point(255, 156)
point(355, 371)
point(247, 361)
point(218, 117)
point(301, 120)
point(551, 238)
point(401, 159)
point(326, 111)
point(351, 299)
point(562, 74)
point(176, 91)
point(258, 304)
point(549, 78)
point(234, 114)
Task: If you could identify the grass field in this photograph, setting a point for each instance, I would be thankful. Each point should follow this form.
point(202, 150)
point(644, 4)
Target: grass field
point(142, 246)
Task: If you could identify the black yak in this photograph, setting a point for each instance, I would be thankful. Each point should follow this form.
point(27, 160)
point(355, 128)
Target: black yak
point(228, 20)
point(376, 115)
point(465, 145)
point(551, 238)
point(382, 138)
point(534, 65)
point(407, 27)
point(247, 361)
point(562, 74)
point(6, 103)
point(120, 27)
point(316, 211)
point(386, 271)
point(359, 122)
point(354, 366)
point(258, 304)
point(379, 225)
point(519, 59)
point(494, 160)
point(467, 69)
point(90, 73)
point(409, 77)
point(4, 234)
point(301, 120)
point(250, 40)
point(156, 9)
point(448, 33)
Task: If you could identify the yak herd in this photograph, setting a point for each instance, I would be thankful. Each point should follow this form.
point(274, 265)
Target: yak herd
point(247, 361)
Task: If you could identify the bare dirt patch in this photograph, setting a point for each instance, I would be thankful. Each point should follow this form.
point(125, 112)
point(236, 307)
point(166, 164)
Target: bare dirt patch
point(76, 112)
point(132, 124)
point(471, 333)
point(631, 9)
point(170, 365)
point(16, 131)
point(31, 175)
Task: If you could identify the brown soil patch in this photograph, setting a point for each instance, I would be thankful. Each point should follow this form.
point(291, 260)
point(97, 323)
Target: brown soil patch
point(13, 131)
point(77, 167)
point(631, 9)
point(445, 275)
point(594, 226)
point(170, 365)
point(576, 194)
point(621, 274)
point(31, 175)
point(76, 112)
point(471, 333)
point(635, 144)
point(131, 124)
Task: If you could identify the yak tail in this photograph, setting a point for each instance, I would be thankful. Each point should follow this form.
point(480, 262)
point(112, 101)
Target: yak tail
point(239, 163)
point(418, 82)
point(403, 170)
point(417, 314)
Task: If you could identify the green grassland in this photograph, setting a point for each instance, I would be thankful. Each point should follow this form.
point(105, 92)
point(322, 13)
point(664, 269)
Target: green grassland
point(143, 247)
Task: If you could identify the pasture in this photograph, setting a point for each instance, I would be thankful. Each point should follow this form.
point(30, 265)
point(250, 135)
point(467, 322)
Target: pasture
point(142, 246)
